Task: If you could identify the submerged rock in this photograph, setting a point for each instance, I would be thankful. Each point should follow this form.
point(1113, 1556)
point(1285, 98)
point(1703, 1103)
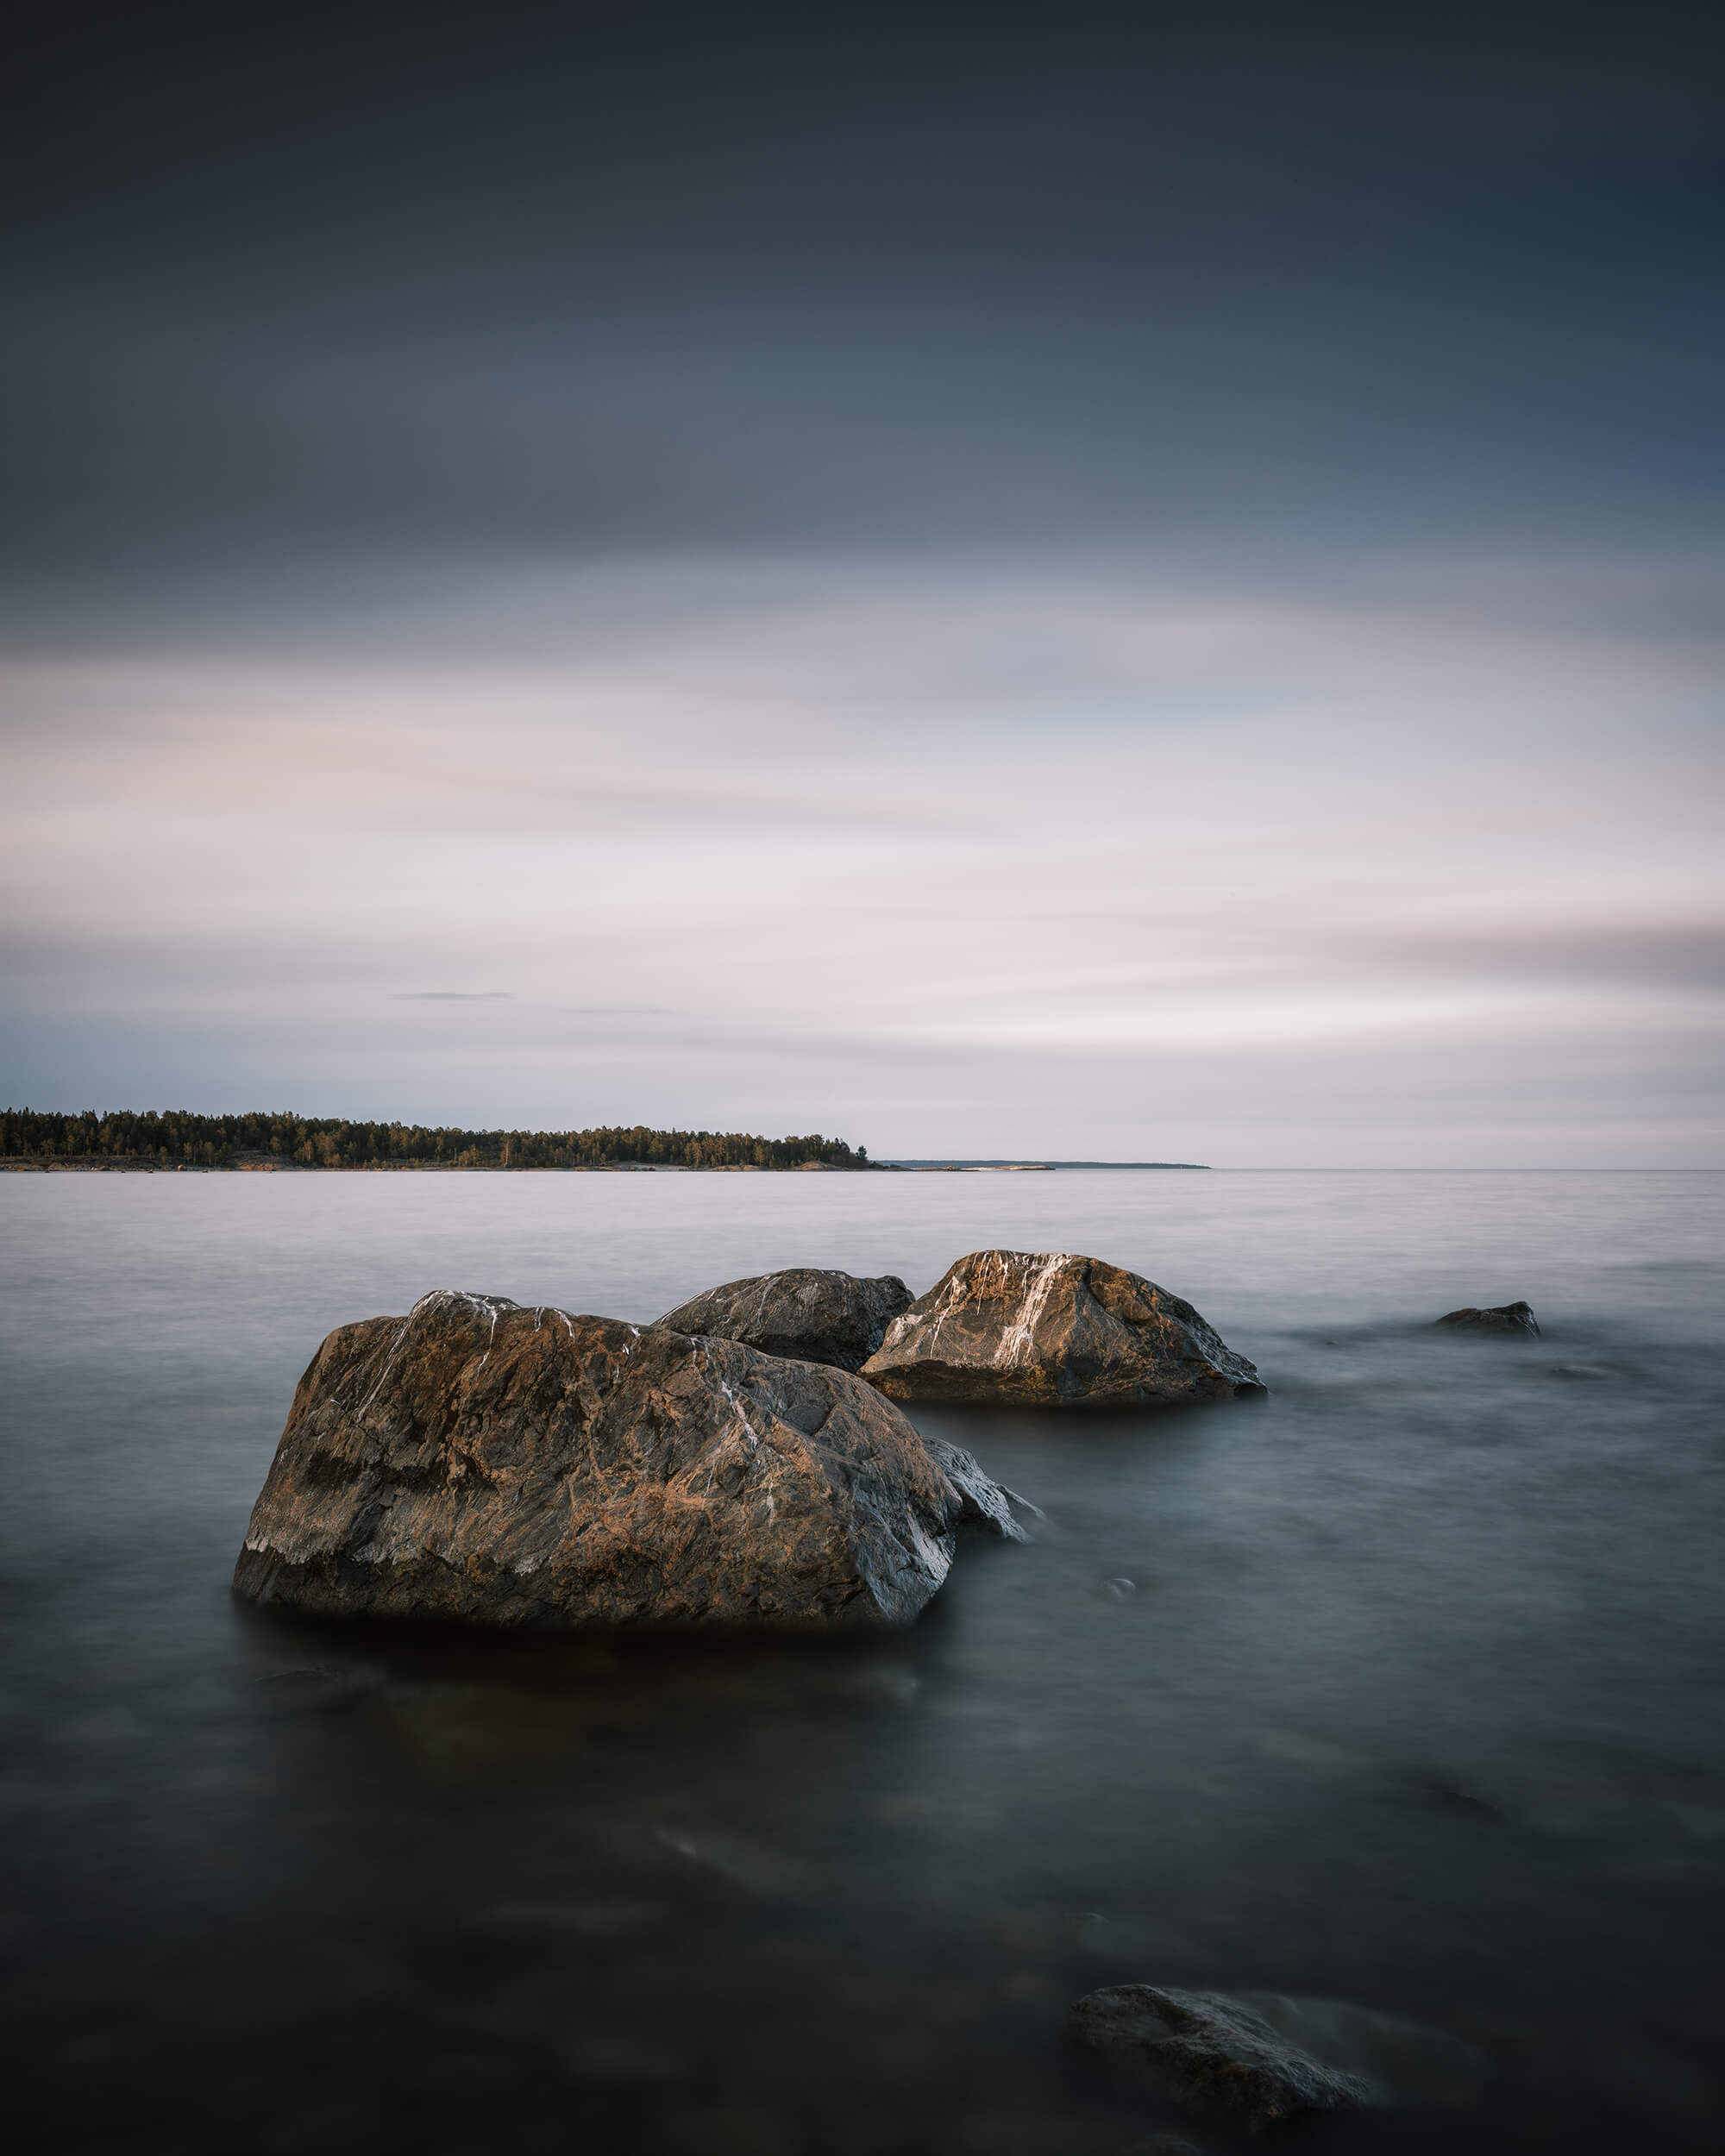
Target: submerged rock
point(479, 1461)
point(811, 1315)
point(1215, 2051)
point(1051, 1329)
point(1506, 1316)
point(1267, 2055)
point(1405, 2060)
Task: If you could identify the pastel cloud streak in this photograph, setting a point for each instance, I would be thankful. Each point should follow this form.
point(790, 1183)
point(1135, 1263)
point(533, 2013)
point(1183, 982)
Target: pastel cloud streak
point(1076, 855)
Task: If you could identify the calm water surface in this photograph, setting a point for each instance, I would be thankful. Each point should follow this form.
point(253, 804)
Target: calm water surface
point(1412, 1699)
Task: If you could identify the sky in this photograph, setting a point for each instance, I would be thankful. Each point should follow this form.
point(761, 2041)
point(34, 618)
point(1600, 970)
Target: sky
point(1088, 583)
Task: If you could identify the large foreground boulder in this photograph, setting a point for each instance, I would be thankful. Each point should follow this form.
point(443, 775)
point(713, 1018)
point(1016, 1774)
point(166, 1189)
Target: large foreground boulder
point(1050, 1329)
point(1503, 1317)
point(480, 1461)
point(811, 1315)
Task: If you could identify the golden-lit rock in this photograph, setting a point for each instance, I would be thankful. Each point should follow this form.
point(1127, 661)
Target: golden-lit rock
point(1050, 1329)
point(480, 1461)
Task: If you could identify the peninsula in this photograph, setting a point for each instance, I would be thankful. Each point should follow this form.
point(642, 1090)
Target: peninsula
point(176, 1139)
point(1025, 1167)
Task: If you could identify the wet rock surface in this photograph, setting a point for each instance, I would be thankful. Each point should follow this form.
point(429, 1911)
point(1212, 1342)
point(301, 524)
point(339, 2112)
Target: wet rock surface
point(1052, 1329)
point(983, 1502)
point(481, 1461)
point(1217, 2052)
point(1505, 1317)
point(807, 1313)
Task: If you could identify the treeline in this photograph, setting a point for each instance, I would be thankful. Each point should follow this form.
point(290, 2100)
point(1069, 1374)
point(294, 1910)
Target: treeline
point(175, 1138)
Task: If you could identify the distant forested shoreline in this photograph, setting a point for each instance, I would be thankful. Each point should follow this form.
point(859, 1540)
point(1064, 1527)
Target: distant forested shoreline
point(174, 1137)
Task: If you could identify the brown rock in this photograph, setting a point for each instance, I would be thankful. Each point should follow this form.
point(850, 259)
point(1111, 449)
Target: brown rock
point(1217, 2051)
point(810, 1315)
point(480, 1461)
point(1053, 1330)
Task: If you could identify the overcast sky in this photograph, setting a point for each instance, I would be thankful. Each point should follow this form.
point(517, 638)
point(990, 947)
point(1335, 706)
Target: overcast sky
point(1012, 588)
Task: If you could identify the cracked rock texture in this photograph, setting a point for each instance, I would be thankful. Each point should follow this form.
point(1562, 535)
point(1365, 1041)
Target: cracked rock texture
point(806, 1313)
point(1506, 1316)
point(1218, 2052)
point(481, 1461)
point(1049, 1329)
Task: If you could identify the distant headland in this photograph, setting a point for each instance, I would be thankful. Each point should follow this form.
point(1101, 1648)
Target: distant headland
point(1029, 1167)
point(175, 1139)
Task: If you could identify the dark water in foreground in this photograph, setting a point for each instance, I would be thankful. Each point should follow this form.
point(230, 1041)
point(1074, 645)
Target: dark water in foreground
point(1413, 1700)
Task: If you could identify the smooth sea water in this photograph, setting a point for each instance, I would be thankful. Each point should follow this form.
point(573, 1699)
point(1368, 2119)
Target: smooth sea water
point(1399, 1688)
